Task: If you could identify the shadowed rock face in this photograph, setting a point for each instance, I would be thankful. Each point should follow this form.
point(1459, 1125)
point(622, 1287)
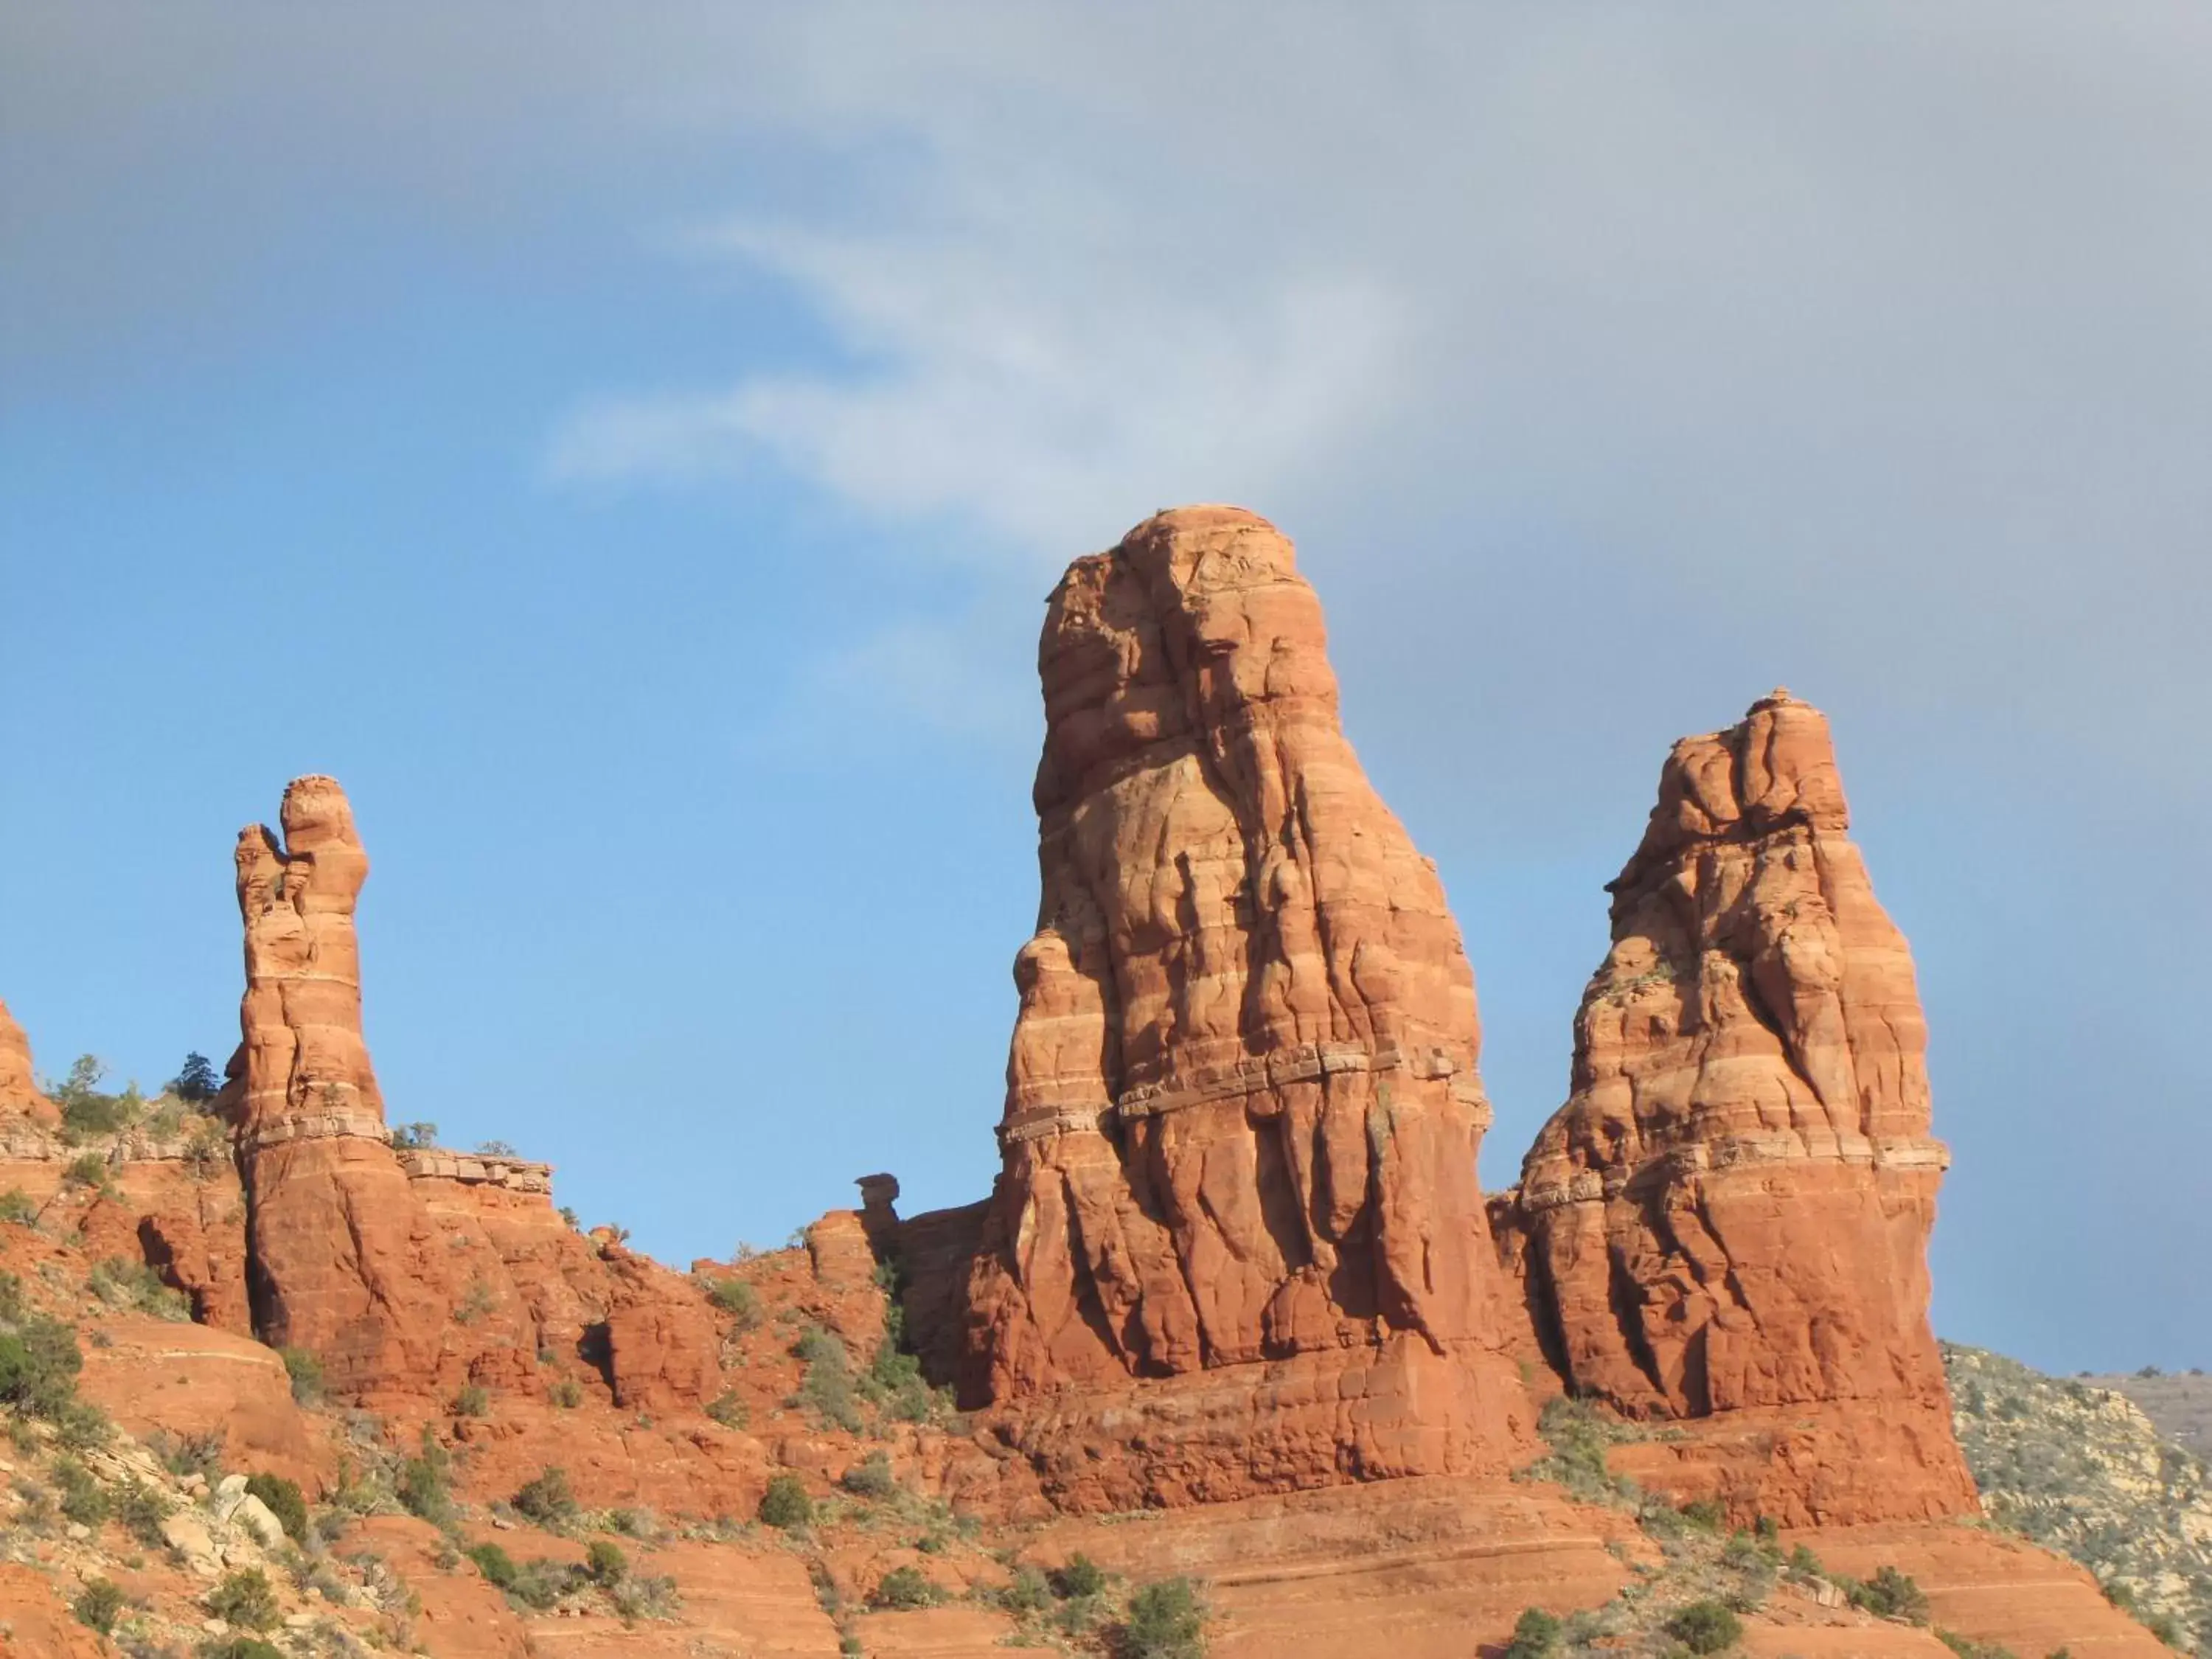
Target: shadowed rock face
point(1243, 1108)
point(1732, 1210)
point(19, 1091)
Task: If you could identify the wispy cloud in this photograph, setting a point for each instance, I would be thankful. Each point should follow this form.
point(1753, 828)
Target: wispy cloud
point(1025, 406)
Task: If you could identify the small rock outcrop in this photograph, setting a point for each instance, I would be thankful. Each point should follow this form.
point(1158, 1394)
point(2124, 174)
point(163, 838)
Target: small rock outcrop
point(19, 1094)
point(1731, 1213)
point(342, 1260)
point(1242, 1107)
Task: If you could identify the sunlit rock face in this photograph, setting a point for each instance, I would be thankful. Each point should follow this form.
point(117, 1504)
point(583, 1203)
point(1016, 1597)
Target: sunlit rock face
point(19, 1096)
point(342, 1260)
point(1242, 1107)
point(1732, 1210)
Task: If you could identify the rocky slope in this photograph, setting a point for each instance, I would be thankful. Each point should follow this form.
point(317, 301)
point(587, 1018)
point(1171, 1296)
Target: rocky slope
point(2179, 1404)
point(2082, 1469)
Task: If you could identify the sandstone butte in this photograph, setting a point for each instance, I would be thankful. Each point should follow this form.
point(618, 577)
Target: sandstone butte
point(1242, 1107)
point(1730, 1217)
point(1235, 1272)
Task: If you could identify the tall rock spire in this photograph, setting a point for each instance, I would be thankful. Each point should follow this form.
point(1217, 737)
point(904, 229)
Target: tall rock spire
point(1732, 1210)
point(1242, 1107)
point(342, 1260)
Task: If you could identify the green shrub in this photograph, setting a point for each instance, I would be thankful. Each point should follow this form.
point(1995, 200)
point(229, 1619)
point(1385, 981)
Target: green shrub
point(785, 1503)
point(307, 1373)
point(1705, 1627)
point(896, 1383)
point(1536, 1635)
point(38, 1364)
point(547, 1499)
point(100, 1605)
point(123, 1284)
point(566, 1393)
point(282, 1497)
point(84, 1500)
point(728, 1410)
point(1081, 1576)
point(142, 1509)
point(1580, 1436)
point(424, 1486)
point(412, 1137)
point(88, 1170)
point(494, 1562)
point(1706, 1514)
point(15, 1205)
point(2163, 1627)
point(871, 1477)
point(476, 1302)
point(85, 1110)
point(1030, 1592)
point(639, 1595)
point(604, 1561)
point(240, 1647)
point(1167, 1620)
point(539, 1584)
point(246, 1598)
point(738, 1299)
point(473, 1400)
point(206, 1146)
point(197, 1454)
point(1891, 1594)
point(1745, 1552)
point(904, 1589)
point(827, 1386)
point(79, 1425)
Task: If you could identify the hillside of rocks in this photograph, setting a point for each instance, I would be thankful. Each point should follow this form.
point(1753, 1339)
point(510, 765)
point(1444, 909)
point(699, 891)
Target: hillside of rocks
point(1235, 1357)
point(2178, 1403)
point(2082, 1469)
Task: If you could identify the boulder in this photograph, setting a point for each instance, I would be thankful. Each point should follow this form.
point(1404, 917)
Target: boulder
point(187, 1533)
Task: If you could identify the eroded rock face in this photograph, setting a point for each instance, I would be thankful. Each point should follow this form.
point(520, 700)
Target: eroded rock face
point(1731, 1212)
point(1242, 1107)
point(19, 1094)
point(342, 1260)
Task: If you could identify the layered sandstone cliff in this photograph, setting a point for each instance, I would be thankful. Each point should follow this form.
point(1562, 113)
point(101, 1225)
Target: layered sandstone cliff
point(1731, 1213)
point(1243, 1108)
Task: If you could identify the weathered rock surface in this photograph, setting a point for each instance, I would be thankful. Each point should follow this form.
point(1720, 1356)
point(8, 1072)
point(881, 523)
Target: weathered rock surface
point(19, 1094)
point(342, 1260)
point(1731, 1212)
point(1242, 1107)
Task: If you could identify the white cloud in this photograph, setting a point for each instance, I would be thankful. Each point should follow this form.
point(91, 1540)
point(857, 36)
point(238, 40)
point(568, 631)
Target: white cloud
point(1900, 316)
point(1025, 406)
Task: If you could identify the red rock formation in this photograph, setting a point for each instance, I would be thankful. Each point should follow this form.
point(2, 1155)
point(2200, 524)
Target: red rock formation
point(19, 1094)
point(1243, 1108)
point(1731, 1212)
point(342, 1259)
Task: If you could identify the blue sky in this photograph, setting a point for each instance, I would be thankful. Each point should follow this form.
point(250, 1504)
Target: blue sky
point(630, 451)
